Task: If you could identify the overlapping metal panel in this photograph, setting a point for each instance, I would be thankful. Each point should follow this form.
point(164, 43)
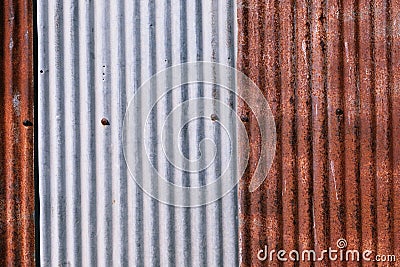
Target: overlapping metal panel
point(330, 71)
point(17, 246)
point(93, 56)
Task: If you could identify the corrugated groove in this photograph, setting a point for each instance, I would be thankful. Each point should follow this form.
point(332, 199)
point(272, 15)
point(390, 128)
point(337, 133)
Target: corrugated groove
point(93, 56)
point(16, 133)
point(329, 70)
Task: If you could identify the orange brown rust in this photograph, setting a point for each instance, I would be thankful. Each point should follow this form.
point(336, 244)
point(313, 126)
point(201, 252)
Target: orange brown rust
point(330, 71)
point(395, 111)
point(16, 134)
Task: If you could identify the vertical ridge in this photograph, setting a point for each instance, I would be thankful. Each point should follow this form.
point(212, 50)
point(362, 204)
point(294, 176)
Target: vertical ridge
point(184, 213)
point(255, 43)
point(56, 131)
point(229, 203)
point(149, 67)
point(211, 52)
point(195, 132)
point(135, 193)
point(167, 212)
point(336, 122)
point(304, 129)
point(395, 120)
point(243, 192)
point(118, 105)
point(375, 198)
point(289, 142)
point(321, 190)
point(383, 172)
point(274, 190)
point(102, 94)
point(72, 136)
point(44, 153)
point(87, 126)
point(367, 125)
point(351, 125)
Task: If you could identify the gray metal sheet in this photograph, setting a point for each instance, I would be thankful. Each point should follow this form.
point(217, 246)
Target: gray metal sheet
point(93, 56)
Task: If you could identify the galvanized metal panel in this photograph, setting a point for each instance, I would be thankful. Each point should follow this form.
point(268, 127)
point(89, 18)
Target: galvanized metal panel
point(330, 72)
point(93, 56)
point(16, 133)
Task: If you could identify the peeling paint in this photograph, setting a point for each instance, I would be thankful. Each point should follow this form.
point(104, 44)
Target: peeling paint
point(16, 104)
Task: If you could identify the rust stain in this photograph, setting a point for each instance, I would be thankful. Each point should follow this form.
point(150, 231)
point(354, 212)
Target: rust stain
point(16, 134)
point(330, 71)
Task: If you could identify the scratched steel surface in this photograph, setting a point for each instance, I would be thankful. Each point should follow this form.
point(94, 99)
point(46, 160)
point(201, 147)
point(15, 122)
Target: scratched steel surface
point(93, 55)
point(16, 133)
point(330, 71)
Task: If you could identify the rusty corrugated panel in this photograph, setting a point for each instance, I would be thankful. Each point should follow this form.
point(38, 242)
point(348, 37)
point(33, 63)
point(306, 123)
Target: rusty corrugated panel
point(330, 71)
point(16, 134)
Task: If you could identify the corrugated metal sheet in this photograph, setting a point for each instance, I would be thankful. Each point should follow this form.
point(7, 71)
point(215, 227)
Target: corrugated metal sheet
point(16, 134)
point(330, 71)
point(93, 55)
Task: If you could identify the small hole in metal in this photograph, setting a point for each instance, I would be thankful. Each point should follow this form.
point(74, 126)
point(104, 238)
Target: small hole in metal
point(214, 117)
point(244, 118)
point(105, 122)
point(27, 123)
point(339, 112)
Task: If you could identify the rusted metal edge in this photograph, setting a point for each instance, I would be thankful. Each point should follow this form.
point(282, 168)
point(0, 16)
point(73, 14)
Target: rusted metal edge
point(330, 71)
point(16, 134)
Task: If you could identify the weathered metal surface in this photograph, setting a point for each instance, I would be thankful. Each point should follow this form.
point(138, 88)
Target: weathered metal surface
point(93, 56)
point(16, 133)
point(330, 71)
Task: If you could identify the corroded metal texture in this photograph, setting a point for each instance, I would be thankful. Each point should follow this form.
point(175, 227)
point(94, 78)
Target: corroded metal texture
point(16, 134)
point(330, 71)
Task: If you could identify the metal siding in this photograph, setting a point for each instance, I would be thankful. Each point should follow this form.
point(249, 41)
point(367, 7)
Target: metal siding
point(16, 134)
point(329, 70)
point(93, 55)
